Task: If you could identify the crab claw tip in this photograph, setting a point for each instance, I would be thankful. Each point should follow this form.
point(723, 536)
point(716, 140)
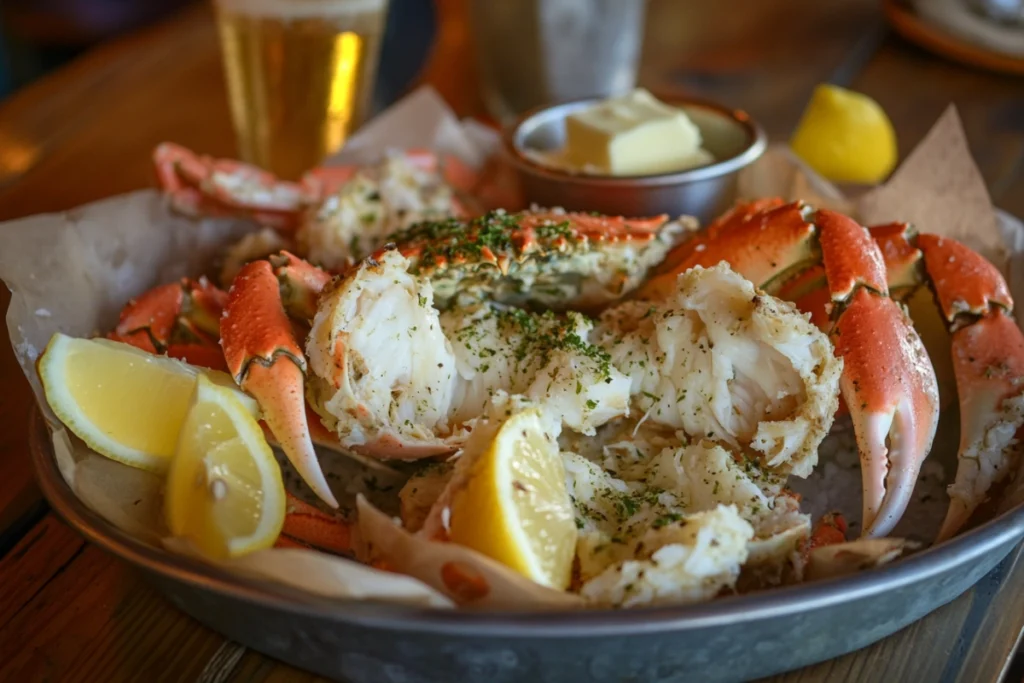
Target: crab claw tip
point(278, 390)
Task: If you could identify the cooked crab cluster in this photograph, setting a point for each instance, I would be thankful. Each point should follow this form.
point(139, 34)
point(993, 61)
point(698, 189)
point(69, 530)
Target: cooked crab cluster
point(685, 376)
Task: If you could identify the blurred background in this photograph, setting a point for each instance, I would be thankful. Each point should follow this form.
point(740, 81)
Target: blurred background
point(37, 36)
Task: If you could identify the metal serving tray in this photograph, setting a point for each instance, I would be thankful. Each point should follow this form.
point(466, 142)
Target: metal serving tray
point(731, 639)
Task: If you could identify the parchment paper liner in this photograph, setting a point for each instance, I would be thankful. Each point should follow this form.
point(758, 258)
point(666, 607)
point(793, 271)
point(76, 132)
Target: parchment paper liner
point(72, 272)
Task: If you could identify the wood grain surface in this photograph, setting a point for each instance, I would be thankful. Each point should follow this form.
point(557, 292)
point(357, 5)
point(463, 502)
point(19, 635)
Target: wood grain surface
point(69, 612)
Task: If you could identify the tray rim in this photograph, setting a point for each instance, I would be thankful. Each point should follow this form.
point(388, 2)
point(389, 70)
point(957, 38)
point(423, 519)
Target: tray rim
point(1006, 529)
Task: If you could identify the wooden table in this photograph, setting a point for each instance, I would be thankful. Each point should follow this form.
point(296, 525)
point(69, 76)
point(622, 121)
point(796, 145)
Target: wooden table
point(70, 612)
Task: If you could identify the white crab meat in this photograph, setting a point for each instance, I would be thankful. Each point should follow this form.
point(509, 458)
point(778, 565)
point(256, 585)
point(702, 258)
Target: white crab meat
point(557, 271)
point(544, 357)
point(641, 480)
point(376, 202)
point(389, 373)
point(721, 360)
point(989, 453)
point(383, 374)
point(690, 560)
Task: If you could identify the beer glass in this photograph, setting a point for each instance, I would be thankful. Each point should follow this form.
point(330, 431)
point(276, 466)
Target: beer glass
point(299, 74)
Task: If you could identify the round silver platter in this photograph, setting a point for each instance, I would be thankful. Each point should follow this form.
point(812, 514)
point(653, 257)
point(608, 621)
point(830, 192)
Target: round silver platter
point(731, 639)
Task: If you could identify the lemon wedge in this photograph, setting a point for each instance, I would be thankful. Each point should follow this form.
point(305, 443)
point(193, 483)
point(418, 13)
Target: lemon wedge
point(125, 403)
point(846, 137)
point(224, 488)
point(515, 507)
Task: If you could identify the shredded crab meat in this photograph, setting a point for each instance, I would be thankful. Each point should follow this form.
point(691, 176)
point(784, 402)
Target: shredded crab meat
point(388, 369)
point(721, 360)
point(626, 492)
point(691, 560)
point(381, 366)
point(543, 357)
point(376, 202)
point(678, 421)
point(991, 456)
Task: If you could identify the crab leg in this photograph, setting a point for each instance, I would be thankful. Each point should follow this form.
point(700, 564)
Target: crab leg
point(267, 362)
point(306, 526)
point(988, 356)
point(888, 382)
point(181, 319)
point(201, 185)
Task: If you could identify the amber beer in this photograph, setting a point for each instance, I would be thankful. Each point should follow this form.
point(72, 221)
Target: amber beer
point(299, 74)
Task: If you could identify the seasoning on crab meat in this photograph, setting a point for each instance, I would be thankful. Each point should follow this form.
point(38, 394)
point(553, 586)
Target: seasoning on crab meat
point(689, 560)
point(721, 360)
point(393, 377)
point(551, 258)
point(542, 356)
point(643, 479)
point(376, 202)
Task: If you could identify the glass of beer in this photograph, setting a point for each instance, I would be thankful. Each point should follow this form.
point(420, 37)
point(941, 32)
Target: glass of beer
point(300, 76)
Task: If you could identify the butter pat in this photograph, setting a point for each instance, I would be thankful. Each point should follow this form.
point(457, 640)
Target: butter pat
point(633, 135)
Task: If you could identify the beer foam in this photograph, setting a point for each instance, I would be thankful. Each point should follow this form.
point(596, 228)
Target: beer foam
point(302, 9)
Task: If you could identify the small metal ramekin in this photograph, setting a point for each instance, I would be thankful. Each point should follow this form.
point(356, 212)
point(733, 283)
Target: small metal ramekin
point(732, 137)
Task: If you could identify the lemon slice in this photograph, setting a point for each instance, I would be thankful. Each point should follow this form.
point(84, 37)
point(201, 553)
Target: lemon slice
point(224, 487)
point(125, 403)
point(515, 508)
point(846, 137)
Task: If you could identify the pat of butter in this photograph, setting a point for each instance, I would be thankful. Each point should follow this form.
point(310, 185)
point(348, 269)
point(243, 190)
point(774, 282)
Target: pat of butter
point(633, 135)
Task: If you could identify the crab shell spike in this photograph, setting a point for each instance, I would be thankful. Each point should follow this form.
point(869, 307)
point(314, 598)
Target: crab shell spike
point(988, 359)
point(267, 362)
point(850, 255)
point(964, 281)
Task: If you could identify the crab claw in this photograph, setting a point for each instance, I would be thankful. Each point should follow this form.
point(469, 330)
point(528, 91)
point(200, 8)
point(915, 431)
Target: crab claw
point(988, 358)
point(267, 362)
point(201, 185)
point(180, 319)
point(890, 389)
point(988, 361)
point(888, 382)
